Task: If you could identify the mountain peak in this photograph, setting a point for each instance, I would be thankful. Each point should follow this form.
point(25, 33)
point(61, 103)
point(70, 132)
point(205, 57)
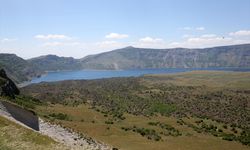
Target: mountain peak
point(128, 47)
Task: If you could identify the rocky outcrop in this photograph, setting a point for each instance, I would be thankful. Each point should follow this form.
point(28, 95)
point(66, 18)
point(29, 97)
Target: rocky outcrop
point(7, 86)
point(24, 116)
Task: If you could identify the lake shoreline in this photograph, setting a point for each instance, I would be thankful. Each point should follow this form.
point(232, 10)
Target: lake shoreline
point(90, 74)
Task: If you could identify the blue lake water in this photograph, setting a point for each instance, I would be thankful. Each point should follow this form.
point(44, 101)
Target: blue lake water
point(99, 74)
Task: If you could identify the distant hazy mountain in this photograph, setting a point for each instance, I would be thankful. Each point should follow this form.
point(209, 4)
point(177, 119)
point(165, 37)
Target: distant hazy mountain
point(54, 63)
point(18, 69)
point(129, 58)
point(133, 58)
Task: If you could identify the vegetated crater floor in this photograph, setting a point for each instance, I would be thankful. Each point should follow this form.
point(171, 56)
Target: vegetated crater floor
point(193, 110)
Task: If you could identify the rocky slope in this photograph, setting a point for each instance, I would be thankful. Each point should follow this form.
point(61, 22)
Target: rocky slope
point(7, 86)
point(71, 139)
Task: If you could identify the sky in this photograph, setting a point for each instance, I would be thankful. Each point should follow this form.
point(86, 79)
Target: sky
point(77, 28)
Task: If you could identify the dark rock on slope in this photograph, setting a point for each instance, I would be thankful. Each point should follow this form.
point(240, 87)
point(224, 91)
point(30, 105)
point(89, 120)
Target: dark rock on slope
point(7, 86)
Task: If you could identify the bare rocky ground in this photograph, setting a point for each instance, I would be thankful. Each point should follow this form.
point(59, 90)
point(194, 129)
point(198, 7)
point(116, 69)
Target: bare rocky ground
point(70, 139)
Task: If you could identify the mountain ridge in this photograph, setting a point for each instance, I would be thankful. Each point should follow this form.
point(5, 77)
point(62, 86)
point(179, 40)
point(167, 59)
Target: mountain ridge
point(171, 58)
point(129, 58)
point(54, 63)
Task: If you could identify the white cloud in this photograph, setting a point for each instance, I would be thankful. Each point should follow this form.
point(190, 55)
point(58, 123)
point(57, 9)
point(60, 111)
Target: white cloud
point(240, 33)
point(54, 44)
point(208, 40)
point(200, 28)
point(109, 45)
point(5, 40)
point(187, 36)
point(187, 28)
point(53, 37)
point(150, 40)
point(208, 36)
point(116, 36)
point(106, 43)
point(203, 41)
point(193, 28)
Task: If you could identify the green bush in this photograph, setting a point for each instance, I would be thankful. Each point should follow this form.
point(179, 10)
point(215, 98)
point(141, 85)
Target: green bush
point(151, 134)
point(171, 131)
point(244, 137)
point(109, 122)
point(229, 137)
point(60, 116)
point(225, 126)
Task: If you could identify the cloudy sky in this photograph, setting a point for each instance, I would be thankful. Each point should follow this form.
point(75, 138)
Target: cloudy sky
point(78, 28)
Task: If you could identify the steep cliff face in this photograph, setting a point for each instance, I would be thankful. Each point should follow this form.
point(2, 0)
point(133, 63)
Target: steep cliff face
point(7, 86)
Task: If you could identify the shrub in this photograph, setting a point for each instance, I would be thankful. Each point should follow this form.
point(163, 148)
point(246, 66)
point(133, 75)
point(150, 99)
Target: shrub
point(220, 130)
point(153, 123)
point(225, 126)
point(228, 137)
point(171, 130)
point(109, 122)
point(244, 137)
point(151, 134)
point(59, 116)
point(198, 121)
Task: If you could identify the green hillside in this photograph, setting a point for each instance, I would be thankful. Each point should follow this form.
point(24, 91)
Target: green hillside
point(18, 69)
point(55, 63)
